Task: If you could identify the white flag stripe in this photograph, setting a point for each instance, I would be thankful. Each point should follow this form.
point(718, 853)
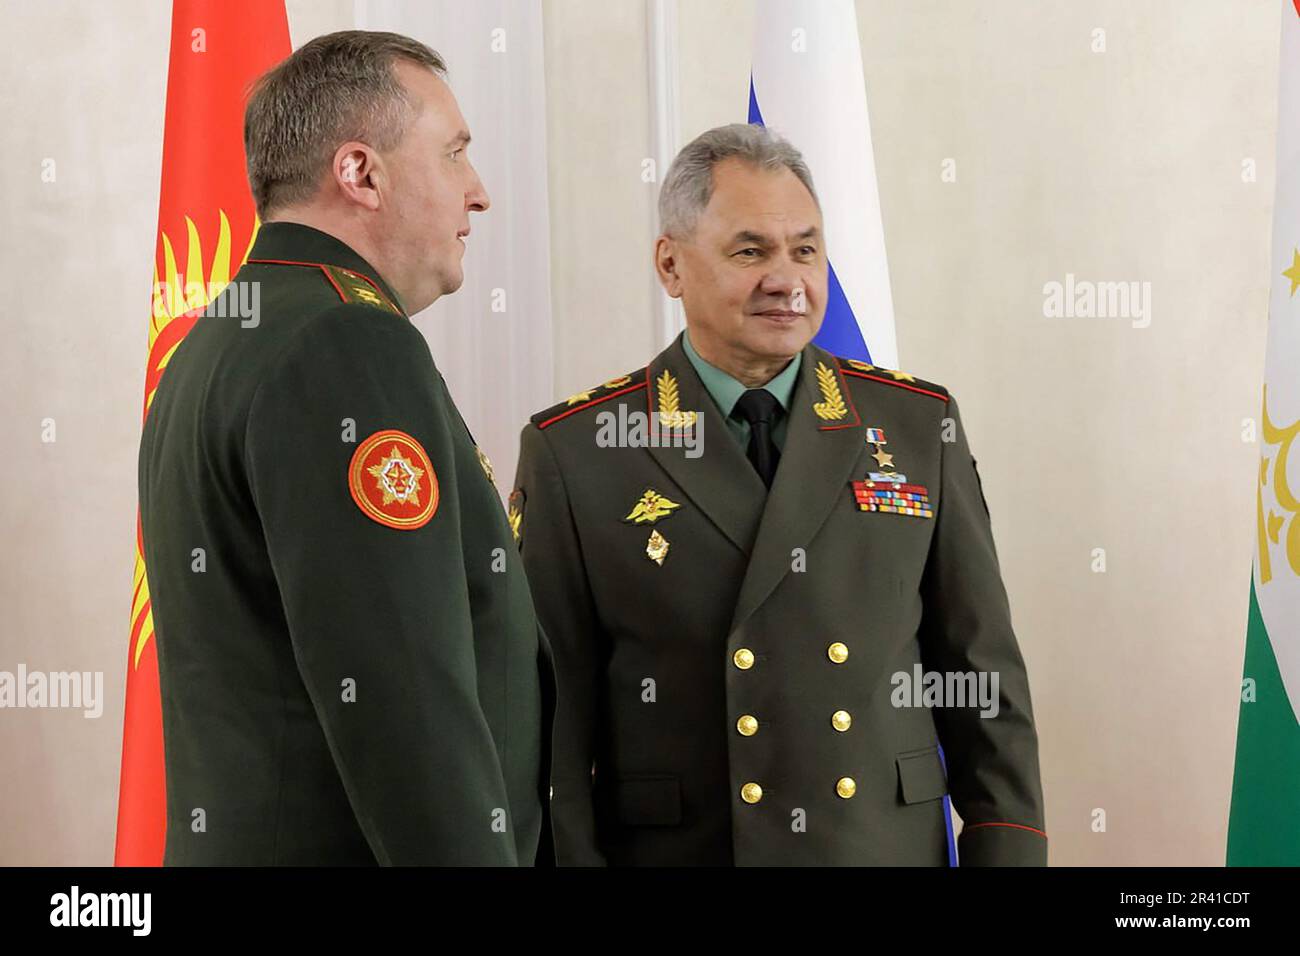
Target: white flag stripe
point(809, 85)
point(1279, 598)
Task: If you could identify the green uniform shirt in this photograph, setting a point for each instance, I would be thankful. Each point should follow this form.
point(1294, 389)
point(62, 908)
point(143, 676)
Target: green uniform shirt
point(726, 391)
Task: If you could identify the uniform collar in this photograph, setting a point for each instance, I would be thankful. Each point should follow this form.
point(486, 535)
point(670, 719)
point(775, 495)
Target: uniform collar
point(726, 391)
point(294, 242)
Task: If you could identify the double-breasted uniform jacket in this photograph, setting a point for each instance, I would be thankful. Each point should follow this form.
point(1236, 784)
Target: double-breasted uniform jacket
point(729, 659)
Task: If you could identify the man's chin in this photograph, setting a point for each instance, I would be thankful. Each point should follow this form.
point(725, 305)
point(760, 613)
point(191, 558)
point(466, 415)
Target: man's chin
point(450, 279)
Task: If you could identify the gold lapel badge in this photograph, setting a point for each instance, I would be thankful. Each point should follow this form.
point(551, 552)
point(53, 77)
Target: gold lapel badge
point(656, 548)
point(650, 509)
point(831, 408)
point(670, 413)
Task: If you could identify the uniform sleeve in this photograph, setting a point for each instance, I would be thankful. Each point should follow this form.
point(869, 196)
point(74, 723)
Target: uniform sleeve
point(992, 761)
point(556, 573)
point(378, 616)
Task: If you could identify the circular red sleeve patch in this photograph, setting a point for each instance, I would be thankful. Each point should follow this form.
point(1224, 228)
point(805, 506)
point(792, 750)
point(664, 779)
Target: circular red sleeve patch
point(392, 480)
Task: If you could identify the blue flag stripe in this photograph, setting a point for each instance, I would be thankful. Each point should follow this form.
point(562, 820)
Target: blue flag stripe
point(840, 333)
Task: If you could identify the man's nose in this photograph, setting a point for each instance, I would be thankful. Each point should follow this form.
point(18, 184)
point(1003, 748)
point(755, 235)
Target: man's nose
point(781, 279)
point(477, 200)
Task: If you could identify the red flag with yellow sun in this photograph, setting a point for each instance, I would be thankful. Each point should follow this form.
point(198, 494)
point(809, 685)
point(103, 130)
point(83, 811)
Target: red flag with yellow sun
point(206, 225)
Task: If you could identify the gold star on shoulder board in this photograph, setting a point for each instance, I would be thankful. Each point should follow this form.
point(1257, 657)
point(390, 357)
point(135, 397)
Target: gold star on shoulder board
point(902, 376)
point(577, 397)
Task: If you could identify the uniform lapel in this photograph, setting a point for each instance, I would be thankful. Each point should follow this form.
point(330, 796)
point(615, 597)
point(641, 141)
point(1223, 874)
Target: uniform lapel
point(721, 481)
point(823, 442)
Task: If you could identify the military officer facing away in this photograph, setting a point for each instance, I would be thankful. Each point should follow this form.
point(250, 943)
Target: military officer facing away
point(357, 675)
point(737, 625)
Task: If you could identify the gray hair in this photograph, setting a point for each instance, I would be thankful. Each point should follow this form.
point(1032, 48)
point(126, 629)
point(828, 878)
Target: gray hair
point(689, 184)
point(336, 88)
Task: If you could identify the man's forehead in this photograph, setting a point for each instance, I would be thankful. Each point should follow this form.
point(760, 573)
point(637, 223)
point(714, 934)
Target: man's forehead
point(763, 222)
point(431, 96)
point(775, 229)
point(773, 203)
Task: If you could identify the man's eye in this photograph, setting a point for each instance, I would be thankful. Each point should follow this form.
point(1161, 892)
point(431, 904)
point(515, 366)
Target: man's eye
point(808, 251)
point(746, 253)
point(455, 153)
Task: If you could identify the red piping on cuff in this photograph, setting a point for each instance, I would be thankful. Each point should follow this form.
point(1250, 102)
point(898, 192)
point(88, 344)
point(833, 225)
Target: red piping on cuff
point(1015, 826)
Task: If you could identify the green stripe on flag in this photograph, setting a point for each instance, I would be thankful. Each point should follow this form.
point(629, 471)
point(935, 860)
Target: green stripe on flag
point(1264, 824)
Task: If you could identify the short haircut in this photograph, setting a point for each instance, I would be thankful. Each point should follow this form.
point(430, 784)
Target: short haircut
point(335, 88)
point(689, 184)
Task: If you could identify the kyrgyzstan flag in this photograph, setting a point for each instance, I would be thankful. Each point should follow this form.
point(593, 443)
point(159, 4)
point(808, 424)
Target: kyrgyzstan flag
point(206, 225)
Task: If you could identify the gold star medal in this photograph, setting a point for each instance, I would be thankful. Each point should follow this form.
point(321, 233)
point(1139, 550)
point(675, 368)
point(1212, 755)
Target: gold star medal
point(884, 460)
point(886, 490)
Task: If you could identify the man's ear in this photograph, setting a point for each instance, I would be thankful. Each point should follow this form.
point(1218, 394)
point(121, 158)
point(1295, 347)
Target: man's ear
point(667, 265)
point(358, 174)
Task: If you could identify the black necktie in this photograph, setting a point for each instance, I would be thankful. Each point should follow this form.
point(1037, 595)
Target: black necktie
point(759, 407)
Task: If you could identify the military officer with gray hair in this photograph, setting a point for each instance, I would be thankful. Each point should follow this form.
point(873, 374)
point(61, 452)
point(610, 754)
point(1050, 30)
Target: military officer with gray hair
point(742, 593)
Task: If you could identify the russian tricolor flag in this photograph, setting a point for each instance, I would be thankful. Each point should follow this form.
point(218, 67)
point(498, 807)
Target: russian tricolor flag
point(807, 85)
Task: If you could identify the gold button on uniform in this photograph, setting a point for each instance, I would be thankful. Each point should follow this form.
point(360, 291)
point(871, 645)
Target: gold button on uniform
point(743, 658)
point(845, 787)
point(751, 793)
point(747, 725)
point(838, 653)
point(841, 720)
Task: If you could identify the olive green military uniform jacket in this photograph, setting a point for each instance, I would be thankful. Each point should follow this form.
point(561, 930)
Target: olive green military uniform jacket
point(351, 666)
point(728, 658)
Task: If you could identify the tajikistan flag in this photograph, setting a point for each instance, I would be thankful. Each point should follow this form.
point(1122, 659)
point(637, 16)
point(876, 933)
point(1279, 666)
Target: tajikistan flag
point(1264, 827)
